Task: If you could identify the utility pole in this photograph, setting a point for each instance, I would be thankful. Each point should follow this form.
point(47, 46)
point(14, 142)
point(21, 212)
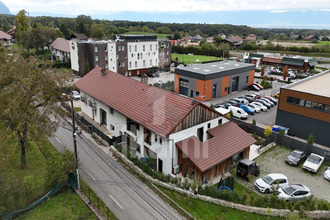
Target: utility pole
point(74, 134)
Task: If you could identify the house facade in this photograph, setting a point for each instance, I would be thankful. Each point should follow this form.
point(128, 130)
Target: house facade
point(5, 39)
point(129, 55)
point(60, 48)
point(206, 81)
point(304, 107)
point(161, 127)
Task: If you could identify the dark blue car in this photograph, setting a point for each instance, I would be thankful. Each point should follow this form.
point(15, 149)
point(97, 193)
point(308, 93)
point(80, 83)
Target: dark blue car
point(247, 109)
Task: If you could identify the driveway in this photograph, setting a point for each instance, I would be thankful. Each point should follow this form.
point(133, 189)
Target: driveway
point(273, 161)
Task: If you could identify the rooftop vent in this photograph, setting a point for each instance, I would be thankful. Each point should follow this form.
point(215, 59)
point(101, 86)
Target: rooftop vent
point(103, 71)
point(221, 67)
point(206, 70)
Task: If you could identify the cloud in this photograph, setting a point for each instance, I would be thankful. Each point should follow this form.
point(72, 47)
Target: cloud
point(76, 7)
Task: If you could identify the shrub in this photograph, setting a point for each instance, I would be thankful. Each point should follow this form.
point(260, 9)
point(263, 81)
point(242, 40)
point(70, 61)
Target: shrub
point(281, 131)
point(254, 122)
point(268, 131)
point(310, 139)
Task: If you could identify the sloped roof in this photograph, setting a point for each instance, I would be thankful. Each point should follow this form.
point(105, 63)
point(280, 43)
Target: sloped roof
point(156, 109)
point(228, 140)
point(4, 35)
point(79, 36)
point(272, 59)
point(61, 44)
point(293, 61)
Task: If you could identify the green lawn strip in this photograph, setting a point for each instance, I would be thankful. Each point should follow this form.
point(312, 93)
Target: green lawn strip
point(204, 210)
point(146, 33)
point(323, 43)
point(64, 205)
point(187, 59)
point(96, 201)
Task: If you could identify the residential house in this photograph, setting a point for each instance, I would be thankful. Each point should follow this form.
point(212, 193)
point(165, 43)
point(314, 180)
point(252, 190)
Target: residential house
point(12, 32)
point(304, 107)
point(129, 55)
point(312, 37)
point(197, 38)
point(5, 39)
point(173, 133)
point(209, 40)
point(222, 35)
point(79, 36)
point(60, 48)
point(251, 37)
point(232, 41)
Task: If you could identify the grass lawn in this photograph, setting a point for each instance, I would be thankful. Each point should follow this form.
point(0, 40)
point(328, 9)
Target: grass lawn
point(323, 43)
point(146, 33)
point(187, 59)
point(64, 205)
point(204, 210)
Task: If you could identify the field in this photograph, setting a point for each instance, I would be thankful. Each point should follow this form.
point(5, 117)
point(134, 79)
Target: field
point(187, 59)
point(296, 44)
point(146, 33)
point(323, 43)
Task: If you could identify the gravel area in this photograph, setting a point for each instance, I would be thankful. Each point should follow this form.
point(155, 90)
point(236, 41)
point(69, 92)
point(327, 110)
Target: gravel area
point(273, 161)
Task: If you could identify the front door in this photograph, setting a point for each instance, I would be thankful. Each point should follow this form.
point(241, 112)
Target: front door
point(103, 115)
point(234, 84)
point(214, 90)
point(160, 165)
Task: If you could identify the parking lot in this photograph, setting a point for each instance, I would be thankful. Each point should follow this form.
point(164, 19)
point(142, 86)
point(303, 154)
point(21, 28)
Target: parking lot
point(273, 161)
point(164, 76)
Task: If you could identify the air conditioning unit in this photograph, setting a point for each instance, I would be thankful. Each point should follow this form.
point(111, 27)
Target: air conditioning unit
point(175, 169)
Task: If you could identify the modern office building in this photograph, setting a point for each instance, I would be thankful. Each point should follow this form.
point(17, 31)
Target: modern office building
point(206, 81)
point(304, 107)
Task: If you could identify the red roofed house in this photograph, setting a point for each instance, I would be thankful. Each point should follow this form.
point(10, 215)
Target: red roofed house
point(5, 39)
point(174, 133)
point(60, 48)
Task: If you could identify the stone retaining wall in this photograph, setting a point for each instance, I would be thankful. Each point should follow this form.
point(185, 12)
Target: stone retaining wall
point(246, 208)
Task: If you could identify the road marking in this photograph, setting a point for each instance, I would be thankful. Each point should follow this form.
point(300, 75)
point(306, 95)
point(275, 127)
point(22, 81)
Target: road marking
point(90, 175)
point(116, 202)
point(58, 140)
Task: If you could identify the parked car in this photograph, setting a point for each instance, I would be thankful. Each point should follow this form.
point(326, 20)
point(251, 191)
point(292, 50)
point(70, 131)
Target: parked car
point(247, 98)
point(218, 105)
point(260, 105)
point(313, 162)
point(257, 94)
point(327, 174)
point(295, 157)
point(75, 95)
point(233, 103)
point(258, 85)
point(269, 102)
point(271, 78)
point(247, 109)
point(270, 182)
point(264, 103)
point(294, 192)
point(253, 87)
point(277, 95)
point(246, 166)
point(238, 112)
point(272, 99)
point(252, 96)
point(241, 101)
point(254, 107)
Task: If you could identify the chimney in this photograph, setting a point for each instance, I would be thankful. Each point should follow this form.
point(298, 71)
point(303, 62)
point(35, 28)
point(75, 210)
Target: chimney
point(103, 71)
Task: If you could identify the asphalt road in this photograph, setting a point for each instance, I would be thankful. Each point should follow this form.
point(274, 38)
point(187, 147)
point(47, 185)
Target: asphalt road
point(124, 194)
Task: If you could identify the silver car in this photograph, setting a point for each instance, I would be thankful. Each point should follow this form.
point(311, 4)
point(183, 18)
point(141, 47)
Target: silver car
point(260, 105)
point(294, 192)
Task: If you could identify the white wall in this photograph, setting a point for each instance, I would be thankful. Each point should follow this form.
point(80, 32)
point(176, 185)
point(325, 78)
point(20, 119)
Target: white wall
point(74, 55)
point(147, 55)
point(112, 56)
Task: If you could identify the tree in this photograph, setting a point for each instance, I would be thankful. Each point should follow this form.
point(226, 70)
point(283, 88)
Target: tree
point(285, 73)
point(84, 24)
point(22, 24)
point(310, 139)
point(262, 70)
point(28, 93)
point(268, 131)
point(97, 31)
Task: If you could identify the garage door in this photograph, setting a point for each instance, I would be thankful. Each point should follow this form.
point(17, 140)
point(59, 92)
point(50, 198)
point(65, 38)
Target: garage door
point(183, 87)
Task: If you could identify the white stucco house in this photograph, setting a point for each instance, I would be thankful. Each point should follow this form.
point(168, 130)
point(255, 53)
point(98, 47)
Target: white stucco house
point(179, 133)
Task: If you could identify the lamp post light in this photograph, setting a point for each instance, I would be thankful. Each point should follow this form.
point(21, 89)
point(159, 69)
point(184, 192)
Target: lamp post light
point(74, 134)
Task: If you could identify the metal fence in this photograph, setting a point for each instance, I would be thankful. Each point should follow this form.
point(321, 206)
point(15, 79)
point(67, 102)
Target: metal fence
point(284, 140)
point(92, 129)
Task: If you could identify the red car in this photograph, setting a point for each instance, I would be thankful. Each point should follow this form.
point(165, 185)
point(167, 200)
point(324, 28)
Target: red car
point(258, 85)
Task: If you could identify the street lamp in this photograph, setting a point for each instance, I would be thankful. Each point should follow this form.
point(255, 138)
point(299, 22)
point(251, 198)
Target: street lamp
point(74, 134)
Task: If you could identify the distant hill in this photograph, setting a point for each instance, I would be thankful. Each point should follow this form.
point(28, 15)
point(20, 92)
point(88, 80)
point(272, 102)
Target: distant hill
point(4, 9)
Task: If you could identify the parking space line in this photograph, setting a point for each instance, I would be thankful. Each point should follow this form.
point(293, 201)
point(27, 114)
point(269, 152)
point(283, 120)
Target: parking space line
point(116, 201)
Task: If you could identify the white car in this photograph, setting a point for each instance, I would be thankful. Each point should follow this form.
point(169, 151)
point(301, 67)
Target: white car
point(261, 106)
point(270, 182)
point(75, 95)
point(327, 174)
point(294, 192)
point(255, 107)
point(159, 81)
point(313, 163)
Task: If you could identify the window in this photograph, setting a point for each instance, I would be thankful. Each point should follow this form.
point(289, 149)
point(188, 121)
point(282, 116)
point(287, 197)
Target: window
point(96, 58)
point(126, 73)
point(156, 61)
point(147, 136)
point(125, 55)
point(106, 57)
point(129, 73)
point(184, 83)
point(150, 62)
point(106, 66)
point(112, 128)
point(135, 48)
point(160, 140)
point(141, 56)
point(208, 125)
point(144, 63)
point(220, 121)
point(129, 48)
point(155, 137)
point(123, 64)
point(130, 64)
point(119, 48)
point(247, 79)
point(135, 63)
point(293, 100)
point(144, 47)
point(138, 148)
point(197, 94)
point(226, 89)
point(111, 110)
point(122, 48)
point(138, 72)
point(117, 56)
point(96, 50)
point(131, 126)
point(150, 47)
point(132, 55)
point(119, 64)
point(166, 52)
point(106, 48)
point(200, 133)
point(138, 56)
point(156, 46)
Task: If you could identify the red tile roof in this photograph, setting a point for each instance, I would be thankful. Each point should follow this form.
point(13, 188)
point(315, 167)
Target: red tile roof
point(4, 35)
point(156, 109)
point(277, 60)
point(228, 140)
point(61, 44)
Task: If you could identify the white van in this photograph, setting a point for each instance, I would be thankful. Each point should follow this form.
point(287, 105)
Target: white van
point(238, 112)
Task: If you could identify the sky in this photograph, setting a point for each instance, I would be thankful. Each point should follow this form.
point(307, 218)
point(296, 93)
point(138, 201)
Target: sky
point(313, 14)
